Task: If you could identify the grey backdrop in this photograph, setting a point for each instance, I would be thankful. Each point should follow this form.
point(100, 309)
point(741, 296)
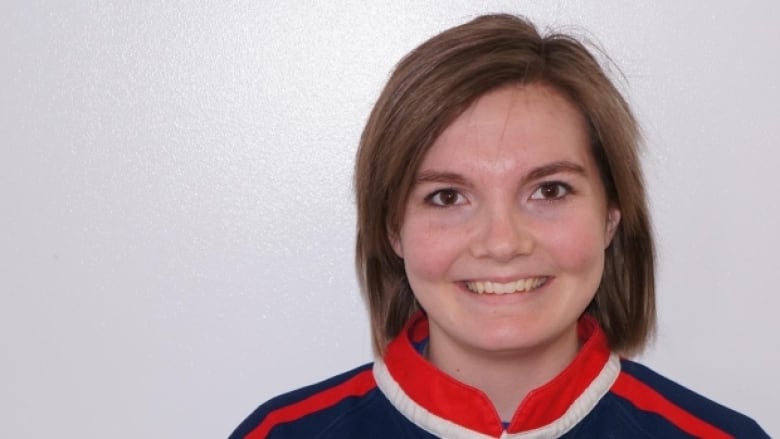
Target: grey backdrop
point(176, 223)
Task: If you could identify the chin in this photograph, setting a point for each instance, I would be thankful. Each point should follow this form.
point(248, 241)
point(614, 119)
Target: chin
point(519, 339)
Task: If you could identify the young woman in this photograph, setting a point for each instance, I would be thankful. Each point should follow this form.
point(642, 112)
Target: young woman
point(505, 251)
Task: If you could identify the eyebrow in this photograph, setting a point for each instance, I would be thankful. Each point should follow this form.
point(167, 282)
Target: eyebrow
point(440, 177)
point(563, 166)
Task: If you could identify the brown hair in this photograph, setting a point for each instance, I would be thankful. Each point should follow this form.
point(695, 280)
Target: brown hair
point(432, 86)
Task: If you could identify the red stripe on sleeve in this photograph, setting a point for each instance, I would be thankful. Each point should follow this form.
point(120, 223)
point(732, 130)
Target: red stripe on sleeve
point(646, 398)
point(358, 385)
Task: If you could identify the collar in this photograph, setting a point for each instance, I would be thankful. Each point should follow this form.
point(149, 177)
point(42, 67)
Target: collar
point(448, 408)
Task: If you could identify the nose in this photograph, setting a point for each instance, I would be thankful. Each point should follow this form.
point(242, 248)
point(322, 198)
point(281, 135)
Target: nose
point(502, 234)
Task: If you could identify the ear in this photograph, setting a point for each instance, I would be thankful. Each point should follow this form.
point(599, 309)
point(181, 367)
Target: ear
point(613, 220)
point(395, 242)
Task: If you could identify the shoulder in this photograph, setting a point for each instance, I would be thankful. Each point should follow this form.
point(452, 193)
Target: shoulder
point(657, 400)
point(309, 411)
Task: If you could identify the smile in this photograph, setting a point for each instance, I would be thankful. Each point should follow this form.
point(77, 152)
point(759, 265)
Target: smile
point(518, 286)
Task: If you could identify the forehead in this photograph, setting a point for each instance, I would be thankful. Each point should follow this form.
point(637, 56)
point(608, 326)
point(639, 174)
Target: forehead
point(513, 126)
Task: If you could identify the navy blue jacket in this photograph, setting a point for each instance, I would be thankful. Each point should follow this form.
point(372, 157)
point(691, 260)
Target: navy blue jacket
point(598, 395)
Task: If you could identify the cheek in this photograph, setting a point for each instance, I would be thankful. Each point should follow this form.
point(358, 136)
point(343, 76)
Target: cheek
point(429, 251)
point(580, 248)
point(422, 265)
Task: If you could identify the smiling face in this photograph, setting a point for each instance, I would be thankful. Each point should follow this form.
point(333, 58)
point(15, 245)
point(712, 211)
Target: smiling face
point(504, 231)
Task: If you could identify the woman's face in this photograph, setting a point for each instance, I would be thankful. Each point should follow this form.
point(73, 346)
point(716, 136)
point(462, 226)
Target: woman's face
point(504, 231)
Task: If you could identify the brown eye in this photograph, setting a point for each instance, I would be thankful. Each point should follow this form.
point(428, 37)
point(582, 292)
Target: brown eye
point(445, 197)
point(551, 191)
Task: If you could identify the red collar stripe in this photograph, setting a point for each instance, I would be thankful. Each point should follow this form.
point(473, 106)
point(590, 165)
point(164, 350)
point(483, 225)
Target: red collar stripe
point(647, 399)
point(358, 385)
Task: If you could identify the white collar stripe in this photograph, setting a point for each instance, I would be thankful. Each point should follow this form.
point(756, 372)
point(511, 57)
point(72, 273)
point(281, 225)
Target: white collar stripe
point(444, 428)
point(416, 413)
point(580, 407)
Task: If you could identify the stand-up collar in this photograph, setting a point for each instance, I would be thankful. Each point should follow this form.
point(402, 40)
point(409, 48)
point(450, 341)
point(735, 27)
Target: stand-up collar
point(448, 408)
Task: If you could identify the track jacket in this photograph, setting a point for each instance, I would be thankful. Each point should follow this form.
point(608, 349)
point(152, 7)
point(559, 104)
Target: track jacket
point(599, 395)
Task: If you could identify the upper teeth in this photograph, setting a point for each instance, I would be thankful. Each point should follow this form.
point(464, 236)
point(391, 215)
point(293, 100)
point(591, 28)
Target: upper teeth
point(505, 288)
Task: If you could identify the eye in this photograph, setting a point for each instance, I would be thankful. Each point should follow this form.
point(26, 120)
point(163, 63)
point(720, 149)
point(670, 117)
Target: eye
point(445, 197)
point(551, 191)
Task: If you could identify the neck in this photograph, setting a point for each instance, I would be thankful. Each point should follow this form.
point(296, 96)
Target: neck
point(506, 377)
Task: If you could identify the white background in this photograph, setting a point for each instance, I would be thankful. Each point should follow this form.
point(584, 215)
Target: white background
point(177, 220)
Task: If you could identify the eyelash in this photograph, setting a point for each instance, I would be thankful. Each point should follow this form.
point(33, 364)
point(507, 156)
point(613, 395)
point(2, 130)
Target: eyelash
point(433, 200)
point(558, 185)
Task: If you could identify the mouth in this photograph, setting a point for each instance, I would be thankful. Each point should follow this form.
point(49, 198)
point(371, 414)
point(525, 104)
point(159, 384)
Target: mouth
point(518, 286)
